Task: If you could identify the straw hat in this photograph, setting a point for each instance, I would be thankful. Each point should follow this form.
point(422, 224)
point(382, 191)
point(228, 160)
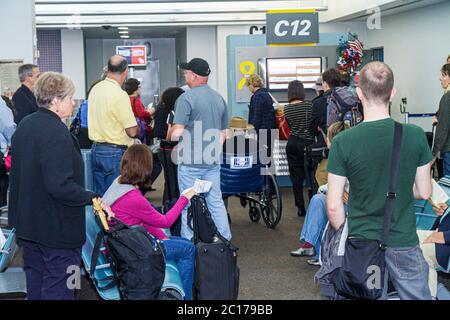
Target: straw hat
point(239, 123)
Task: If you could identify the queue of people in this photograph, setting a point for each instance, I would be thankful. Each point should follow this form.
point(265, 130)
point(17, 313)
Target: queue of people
point(47, 196)
point(358, 183)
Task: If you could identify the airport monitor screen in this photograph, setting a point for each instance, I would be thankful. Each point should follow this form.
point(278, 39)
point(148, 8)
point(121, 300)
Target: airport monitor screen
point(281, 71)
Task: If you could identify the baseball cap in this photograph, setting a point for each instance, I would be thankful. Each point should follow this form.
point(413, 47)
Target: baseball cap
point(198, 66)
point(318, 85)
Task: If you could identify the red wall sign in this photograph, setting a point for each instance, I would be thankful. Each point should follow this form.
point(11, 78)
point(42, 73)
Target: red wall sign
point(136, 55)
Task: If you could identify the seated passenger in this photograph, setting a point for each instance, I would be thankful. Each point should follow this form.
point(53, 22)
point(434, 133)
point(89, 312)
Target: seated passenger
point(316, 215)
point(435, 245)
point(132, 208)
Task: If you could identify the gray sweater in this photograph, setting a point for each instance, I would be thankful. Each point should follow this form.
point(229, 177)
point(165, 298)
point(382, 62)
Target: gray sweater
point(442, 136)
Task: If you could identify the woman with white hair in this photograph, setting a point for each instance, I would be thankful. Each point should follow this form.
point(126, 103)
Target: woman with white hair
point(47, 196)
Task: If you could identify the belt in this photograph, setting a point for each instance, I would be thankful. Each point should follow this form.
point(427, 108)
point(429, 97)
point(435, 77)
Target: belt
point(112, 145)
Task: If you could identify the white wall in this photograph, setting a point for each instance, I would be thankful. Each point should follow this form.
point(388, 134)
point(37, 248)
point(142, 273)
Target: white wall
point(72, 51)
point(358, 27)
point(222, 69)
point(201, 42)
point(17, 30)
point(342, 8)
point(416, 44)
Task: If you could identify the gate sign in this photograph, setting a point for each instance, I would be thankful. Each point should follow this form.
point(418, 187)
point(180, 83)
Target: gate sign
point(292, 27)
point(136, 55)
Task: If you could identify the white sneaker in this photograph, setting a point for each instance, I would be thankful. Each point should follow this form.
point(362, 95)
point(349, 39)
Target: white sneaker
point(300, 252)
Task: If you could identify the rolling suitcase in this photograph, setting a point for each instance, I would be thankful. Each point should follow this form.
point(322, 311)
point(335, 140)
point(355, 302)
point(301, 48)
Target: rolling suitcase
point(216, 270)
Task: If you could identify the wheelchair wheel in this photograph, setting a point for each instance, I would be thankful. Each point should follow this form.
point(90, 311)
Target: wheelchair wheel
point(255, 214)
point(270, 199)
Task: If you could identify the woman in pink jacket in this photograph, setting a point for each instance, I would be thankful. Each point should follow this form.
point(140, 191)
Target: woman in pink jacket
point(132, 208)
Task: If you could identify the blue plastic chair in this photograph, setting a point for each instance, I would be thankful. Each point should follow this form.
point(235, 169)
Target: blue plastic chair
point(425, 216)
point(9, 249)
point(12, 280)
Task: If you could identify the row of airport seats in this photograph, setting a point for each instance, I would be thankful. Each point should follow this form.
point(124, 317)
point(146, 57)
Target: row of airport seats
point(12, 280)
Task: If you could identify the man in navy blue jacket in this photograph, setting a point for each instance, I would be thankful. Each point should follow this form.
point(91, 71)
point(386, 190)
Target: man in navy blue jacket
point(24, 98)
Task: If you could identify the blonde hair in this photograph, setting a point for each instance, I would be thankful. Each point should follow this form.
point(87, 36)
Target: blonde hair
point(335, 129)
point(51, 85)
point(255, 81)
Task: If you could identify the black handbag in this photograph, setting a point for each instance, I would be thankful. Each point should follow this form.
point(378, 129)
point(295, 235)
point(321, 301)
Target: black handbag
point(362, 275)
point(200, 221)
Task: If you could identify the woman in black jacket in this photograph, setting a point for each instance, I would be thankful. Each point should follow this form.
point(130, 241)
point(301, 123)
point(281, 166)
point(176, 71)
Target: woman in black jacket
point(163, 118)
point(47, 196)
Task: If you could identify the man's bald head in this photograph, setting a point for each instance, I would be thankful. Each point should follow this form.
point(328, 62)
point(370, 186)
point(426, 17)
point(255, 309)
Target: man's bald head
point(376, 82)
point(117, 64)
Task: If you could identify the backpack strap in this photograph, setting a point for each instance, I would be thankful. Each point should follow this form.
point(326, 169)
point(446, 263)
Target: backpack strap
point(391, 196)
point(94, 260)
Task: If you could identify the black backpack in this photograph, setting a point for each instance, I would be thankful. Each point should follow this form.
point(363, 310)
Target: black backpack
point(137, 259)
point(344, 105)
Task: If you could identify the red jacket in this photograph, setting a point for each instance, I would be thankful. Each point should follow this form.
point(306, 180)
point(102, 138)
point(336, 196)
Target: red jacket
point(138, 109)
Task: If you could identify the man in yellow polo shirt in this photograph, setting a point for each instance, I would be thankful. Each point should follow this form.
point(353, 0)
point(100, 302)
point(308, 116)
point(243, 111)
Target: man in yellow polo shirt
point(112, 125)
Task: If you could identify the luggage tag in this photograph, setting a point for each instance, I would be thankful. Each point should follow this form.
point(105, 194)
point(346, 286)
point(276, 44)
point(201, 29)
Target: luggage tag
point(98, 209)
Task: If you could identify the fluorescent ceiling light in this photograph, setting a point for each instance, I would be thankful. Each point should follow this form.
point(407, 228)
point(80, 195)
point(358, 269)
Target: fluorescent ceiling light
point(132, 13)
point(96, 8)
point(125, 37)
point(122, 28)
point(129, 20)
point(123, 32)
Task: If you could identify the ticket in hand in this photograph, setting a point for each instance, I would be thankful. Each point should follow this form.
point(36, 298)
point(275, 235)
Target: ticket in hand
point(202, 186)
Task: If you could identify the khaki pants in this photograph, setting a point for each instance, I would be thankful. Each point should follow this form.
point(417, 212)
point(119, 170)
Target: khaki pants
point(322, 173)
point(429, 253)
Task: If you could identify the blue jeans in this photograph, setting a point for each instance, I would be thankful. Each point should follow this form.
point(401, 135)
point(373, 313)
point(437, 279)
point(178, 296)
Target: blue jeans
point(408, 272)
point(446, 160)
point(46, 271)
point(105, 166)
point(182, 251)
point(315, 222)
point(186, 178)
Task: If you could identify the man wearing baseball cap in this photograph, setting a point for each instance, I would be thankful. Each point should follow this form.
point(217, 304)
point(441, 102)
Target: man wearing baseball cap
point(200, 123)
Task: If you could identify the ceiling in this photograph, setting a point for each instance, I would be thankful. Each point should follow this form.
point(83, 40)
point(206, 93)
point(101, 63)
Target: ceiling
point(169, 18)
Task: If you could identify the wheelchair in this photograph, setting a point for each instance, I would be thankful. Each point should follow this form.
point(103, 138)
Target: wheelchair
point(244, 176)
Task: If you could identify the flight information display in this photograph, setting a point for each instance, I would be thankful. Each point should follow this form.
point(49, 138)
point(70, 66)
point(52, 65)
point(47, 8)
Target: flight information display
point(281, 71)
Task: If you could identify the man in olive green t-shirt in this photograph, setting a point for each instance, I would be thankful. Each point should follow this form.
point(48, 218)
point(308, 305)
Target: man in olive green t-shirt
point(363, 156)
